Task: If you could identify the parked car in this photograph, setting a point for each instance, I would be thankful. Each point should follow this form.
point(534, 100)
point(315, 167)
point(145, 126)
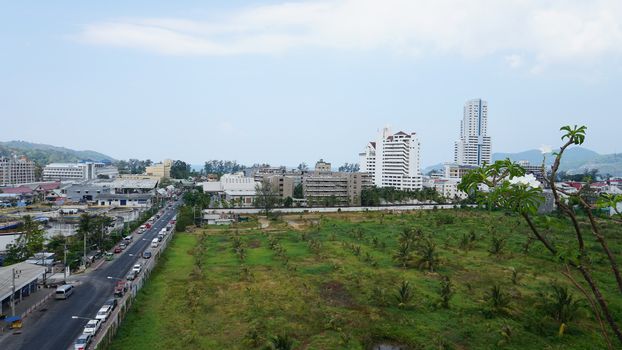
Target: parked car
point(128, 239)
point(146, 254)
point(82, 342)
point(117, 250)
point(103, 313)
point(109, 256)
point(137, 268)
point(131, 275)
point(112, 302)
point(122, 245)
point(148, 225)
point(92, 327)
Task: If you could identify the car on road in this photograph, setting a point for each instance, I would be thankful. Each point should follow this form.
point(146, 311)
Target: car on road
point(137, 268)
point(148, 225)
point(82, 342)
point(122, 245)
point(112, 302)
point(146, 254)
point(119, 289)
point(109, 256)
point(117, 250)
point(131, 275)
point(128, 239)
point(92, 327)
point(103, 313)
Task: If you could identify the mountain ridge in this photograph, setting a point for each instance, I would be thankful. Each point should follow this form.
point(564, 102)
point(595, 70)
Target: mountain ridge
point(44, 154)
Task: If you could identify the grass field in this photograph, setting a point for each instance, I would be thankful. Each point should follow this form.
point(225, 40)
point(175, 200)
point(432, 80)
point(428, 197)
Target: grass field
point(331, 282)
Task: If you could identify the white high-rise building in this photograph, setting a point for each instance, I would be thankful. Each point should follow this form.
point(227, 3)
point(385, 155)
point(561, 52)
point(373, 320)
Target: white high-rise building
point(474, 147)
point(393, 160)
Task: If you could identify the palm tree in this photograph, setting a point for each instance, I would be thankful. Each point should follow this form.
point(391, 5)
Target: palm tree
point(497, 299)
point(404, 294)
point(561, 305)
point(429, 257)
point(403, 255)
point(280, 342)
point(446, 291)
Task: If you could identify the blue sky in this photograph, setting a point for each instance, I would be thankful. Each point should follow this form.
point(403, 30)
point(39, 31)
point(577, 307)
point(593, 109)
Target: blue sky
point(285, 82)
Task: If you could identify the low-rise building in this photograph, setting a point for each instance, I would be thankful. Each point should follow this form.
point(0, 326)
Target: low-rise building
point(78, 171)
point(326, 188)
point(161, 170)
point(446, 187)
point(134, 200)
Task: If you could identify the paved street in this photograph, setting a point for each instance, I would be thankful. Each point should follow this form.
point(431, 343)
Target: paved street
point(52, 326)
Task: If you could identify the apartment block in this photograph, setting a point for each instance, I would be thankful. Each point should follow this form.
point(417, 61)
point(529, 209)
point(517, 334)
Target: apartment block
point(326, 188)
point(15, 171)
point(393, 160)
point(474, 146)
point(78, 171)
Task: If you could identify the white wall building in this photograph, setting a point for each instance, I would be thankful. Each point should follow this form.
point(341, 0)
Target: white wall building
point(78, 171)
point(474, 146)
point(393, 160)
point(16, 171)
point(233, 187)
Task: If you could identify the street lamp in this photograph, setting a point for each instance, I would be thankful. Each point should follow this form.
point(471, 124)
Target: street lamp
point(82, 318)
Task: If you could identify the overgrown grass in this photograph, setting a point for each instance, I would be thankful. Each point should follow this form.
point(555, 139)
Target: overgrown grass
point(332, 295)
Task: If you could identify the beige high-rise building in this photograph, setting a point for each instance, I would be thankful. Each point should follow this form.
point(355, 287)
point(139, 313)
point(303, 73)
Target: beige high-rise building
point(15, 171)
point(161, 170)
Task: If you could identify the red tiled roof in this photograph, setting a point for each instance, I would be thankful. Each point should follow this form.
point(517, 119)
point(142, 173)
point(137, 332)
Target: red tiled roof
point(16, 190)
point(48, 186)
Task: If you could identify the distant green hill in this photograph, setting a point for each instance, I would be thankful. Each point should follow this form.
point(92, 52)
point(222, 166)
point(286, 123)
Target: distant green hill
point(576, 160)
point(46, 154)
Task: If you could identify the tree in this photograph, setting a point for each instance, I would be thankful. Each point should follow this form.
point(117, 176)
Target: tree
point(446, 291)
point(31, 241)
point(403, 255)
point(266, 197)
point(349, 168)
point(288, 202)
point(180, 170)
point(404, 294)
point(298, 193)
point(428, 256)
point(560, 304)
point(303, 167)
point(509, 188)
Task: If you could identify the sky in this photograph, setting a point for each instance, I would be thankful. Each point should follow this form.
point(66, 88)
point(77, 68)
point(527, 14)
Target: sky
point(283, 82)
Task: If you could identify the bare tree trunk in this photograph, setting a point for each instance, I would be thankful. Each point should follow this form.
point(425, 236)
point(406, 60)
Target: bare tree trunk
point(592, 306)
point(601, 301)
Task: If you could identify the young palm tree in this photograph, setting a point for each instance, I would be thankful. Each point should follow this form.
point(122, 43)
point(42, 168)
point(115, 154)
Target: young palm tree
point(403, 255)
point(498, 300)
point(280, 342)
point(446, 291)
point(560, 304)
point(428, 256)
point(404, 294)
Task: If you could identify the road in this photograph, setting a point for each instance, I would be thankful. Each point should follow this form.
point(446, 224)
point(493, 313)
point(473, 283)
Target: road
point(54, 328)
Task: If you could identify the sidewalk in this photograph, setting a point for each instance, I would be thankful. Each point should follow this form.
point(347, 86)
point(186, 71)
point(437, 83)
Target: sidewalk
point(28, 305)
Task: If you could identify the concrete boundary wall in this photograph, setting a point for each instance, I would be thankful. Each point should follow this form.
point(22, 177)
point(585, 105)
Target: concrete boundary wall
point(109, 329)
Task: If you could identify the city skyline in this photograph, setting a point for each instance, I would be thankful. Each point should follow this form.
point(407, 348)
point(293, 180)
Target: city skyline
point(237, 80)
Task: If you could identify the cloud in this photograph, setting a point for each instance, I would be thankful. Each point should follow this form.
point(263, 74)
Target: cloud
point(550, 31)
point(514, 61)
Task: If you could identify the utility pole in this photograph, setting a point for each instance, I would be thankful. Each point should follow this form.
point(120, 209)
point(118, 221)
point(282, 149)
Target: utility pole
point(14, 273)
point(65, 263)
point(84, 257)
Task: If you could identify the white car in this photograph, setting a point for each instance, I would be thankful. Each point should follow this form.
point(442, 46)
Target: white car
point(92, 327)
point(103, 313)
point(137, 268)
point(82, 342)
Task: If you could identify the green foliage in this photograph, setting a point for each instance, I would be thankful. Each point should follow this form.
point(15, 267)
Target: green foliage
point(220, 167)
point(298, 191)
point(497, 300)
point(280, 342)
point(560, 304)
point(428, 256)
point(445, 292)
point(375, 195)
point(404, 295)
point(403, 255)
point(31, 241)
point(180, 170)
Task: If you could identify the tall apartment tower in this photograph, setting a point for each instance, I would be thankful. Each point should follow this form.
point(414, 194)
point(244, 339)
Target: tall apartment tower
point(16, 171)
point(393, 160)
point(474, 147)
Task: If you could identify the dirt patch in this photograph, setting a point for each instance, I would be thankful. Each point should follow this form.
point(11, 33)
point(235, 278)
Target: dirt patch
point(336, 294)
